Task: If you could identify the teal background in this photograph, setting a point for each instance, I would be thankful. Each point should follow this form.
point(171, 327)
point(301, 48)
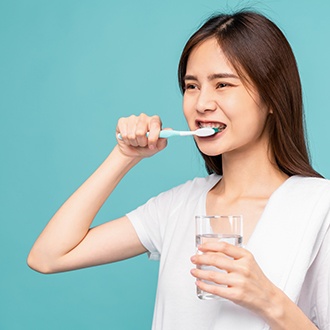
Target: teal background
point(68, 71)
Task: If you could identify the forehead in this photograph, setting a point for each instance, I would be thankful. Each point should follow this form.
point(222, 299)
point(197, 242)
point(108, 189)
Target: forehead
point(208, 58)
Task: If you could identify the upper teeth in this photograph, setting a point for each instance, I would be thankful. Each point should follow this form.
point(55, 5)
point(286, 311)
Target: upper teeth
point(219, 126)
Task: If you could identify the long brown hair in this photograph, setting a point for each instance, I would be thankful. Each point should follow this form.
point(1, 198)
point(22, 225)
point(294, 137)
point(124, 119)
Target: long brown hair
point(261, 55)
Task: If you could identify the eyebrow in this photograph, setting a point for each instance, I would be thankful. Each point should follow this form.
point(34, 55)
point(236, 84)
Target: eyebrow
point(212, 76)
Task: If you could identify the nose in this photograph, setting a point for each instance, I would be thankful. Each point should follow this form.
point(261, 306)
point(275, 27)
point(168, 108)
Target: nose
point(206, 101)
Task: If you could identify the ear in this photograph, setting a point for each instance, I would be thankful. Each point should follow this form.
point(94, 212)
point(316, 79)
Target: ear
point(270, 111)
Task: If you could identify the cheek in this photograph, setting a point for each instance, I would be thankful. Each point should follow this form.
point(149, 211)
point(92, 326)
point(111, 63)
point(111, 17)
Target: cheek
point(239, 102)
point(247, 111)
point(187, 107)
point(252, 126)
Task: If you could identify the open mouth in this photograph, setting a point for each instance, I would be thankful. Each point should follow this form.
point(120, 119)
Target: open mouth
point(219, 126)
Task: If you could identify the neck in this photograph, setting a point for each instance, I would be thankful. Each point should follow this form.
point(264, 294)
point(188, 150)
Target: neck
point(249, 174)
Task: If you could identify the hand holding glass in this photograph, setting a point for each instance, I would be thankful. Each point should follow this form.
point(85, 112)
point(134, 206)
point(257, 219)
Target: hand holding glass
point(217, 228)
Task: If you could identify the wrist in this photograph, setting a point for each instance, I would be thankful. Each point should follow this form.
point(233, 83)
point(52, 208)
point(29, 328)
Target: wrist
point(275, 310)
point(283, 314)
point(124, 160)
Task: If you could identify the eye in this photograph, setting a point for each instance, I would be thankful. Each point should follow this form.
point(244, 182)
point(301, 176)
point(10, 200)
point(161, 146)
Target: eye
point(222, 85)
point(190, 86)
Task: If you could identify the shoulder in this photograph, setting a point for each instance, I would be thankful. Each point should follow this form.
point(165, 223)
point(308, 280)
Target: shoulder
point(309, 184)
point(312, 181)
point(300, 193)
point(189, 190)
point(198, 184)
point(201, 182)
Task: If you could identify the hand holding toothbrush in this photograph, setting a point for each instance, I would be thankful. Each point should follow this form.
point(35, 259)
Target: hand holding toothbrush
point(145, 131)
point(133, 139)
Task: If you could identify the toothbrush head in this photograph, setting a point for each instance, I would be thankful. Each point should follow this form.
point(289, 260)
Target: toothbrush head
point(206, 131)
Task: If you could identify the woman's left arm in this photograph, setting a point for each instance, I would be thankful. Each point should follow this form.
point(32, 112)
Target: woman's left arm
point(245, 284)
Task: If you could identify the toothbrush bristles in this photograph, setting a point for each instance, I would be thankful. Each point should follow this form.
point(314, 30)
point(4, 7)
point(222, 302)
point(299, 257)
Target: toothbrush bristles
point(216, 130)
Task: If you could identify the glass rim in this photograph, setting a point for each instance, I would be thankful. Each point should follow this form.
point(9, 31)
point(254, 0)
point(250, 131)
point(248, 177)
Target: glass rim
point(219, 216)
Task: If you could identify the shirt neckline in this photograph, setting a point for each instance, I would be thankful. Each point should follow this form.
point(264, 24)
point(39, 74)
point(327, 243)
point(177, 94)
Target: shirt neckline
point(276, 191)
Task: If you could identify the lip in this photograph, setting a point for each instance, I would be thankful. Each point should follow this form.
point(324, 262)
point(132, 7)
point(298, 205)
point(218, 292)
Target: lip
point(208, 123)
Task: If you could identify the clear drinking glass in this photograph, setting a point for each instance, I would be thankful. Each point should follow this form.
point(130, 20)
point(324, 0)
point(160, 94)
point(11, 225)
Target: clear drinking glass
point(226, 228)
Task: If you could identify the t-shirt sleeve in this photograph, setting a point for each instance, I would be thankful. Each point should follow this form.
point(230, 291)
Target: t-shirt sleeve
point(322, 294)
point(149, 222)
point(159, 216)
point(315, 295)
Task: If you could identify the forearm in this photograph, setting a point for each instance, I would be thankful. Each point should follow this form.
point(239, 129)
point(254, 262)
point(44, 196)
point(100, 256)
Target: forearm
point(283, 314)
point(72, 221)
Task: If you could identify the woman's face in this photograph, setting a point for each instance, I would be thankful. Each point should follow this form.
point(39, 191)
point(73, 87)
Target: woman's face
point(215, 96)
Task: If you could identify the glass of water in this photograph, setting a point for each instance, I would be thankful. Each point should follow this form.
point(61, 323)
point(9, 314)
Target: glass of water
point(217, 228)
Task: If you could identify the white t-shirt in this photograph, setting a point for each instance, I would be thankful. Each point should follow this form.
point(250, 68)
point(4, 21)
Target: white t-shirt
point(166, 227)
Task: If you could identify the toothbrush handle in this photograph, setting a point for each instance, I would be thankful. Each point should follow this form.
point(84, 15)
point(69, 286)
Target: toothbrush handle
point(168, 133)
point(162, 134)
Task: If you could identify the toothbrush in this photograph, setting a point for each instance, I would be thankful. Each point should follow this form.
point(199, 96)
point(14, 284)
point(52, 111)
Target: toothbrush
point(202, 132)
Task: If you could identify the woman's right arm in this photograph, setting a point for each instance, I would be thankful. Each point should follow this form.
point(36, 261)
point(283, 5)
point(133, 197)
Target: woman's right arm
point(68, 242)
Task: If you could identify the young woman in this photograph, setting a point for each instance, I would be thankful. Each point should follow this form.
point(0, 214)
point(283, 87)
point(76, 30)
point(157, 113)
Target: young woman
point(237, 73)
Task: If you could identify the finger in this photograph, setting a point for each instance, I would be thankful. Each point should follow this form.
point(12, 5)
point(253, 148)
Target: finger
point(130, 136)
point(229, 250)
point(217, 283)
point(199, 252)
point(227, 285)
point(122, 129)
point(216, 276)
point(210, 259)
point(155, 125)
point(141, 130)
point(217, 290)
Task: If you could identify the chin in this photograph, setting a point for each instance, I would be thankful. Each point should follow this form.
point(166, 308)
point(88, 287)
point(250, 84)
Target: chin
point(211, 154)
point(208, 152)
